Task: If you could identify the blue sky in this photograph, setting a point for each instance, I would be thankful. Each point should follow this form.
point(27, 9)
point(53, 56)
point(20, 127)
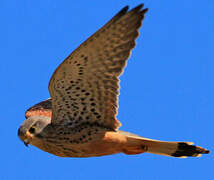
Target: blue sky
point(166, 90)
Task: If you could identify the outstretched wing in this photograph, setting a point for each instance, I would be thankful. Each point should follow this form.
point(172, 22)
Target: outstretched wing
point(85, 87)
point(43, 108)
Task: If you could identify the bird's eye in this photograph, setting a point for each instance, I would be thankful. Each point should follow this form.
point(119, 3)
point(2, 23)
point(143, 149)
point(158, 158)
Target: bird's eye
point(32, 130)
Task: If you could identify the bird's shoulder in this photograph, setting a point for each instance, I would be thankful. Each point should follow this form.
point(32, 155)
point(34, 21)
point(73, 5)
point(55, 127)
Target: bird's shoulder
point(43, 108)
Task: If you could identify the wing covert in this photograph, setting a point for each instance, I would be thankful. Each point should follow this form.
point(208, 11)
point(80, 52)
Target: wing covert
point(44, 108)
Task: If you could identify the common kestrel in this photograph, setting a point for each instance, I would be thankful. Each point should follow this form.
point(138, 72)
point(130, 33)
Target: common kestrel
point(80, 118)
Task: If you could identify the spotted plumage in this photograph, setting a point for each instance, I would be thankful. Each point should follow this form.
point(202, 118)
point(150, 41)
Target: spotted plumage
point(79, 120)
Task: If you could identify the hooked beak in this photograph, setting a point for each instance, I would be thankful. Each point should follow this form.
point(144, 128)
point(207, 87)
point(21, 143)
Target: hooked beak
point(26, 143)
point(22, 136)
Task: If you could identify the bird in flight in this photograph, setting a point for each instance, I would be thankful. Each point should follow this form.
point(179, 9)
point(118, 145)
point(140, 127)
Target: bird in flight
point(79, 120)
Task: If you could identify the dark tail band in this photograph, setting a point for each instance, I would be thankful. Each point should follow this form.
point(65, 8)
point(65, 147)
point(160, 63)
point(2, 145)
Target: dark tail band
point(187, 149)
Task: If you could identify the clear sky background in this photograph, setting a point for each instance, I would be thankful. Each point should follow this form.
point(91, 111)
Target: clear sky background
point(166, 90)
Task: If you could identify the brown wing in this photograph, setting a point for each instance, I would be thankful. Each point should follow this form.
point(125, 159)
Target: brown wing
point(43, 108)
point(85, 87)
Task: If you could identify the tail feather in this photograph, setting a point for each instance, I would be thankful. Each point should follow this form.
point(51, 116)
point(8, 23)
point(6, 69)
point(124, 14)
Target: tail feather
point(175, 149)
point(136, 144)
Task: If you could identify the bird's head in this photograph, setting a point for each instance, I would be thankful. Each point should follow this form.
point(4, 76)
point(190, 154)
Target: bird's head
point(32, 128)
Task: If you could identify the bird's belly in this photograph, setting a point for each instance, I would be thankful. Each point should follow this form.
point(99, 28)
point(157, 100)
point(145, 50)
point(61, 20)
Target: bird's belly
point(103, 144)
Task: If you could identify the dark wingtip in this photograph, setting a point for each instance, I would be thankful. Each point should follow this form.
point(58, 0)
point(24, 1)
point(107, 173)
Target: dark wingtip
point(145, 10)
point(124, 10)
point(187, 149)
point(140, 6)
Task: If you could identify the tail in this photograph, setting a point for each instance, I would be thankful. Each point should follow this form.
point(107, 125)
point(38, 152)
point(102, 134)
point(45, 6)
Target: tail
point(136, 145)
